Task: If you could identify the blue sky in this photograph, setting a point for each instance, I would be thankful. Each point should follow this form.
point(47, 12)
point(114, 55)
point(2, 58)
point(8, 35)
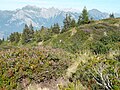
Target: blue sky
point(102, 5)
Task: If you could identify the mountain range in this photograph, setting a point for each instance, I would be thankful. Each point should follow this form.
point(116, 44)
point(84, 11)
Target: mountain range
point(14, 21)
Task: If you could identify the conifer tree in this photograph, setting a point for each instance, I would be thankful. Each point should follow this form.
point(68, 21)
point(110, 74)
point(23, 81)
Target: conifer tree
point(83, 18)
point(43, 34)
point(31, 31)
point(56, 28)
point(31, 26)
point(27, 34)
point(1, 41)
point(67, 23)
point(73, 23)
point(42, 28)
point(14, 37)
point(112, 15)
point(40, 35)
point(17, 37)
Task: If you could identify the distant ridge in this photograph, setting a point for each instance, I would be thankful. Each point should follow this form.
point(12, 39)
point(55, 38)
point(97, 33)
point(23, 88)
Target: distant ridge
point(13, 21)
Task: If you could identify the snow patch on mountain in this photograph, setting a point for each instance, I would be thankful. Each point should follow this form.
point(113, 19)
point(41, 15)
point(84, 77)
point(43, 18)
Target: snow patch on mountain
point(70, 10)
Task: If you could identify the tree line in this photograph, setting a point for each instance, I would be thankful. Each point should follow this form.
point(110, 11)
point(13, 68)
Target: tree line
point(44, 33)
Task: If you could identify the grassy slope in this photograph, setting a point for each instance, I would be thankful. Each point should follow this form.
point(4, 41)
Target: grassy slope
point(81, 37)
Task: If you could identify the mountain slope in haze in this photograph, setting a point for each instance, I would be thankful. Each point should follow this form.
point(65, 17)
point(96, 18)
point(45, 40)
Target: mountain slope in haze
point(96, 14)
point(13, 21)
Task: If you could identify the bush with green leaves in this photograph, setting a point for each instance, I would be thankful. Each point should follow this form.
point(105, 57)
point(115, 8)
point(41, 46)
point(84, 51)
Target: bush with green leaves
point(99, 73)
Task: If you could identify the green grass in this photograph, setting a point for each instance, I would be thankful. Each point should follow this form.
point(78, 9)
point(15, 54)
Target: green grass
point(87, 35)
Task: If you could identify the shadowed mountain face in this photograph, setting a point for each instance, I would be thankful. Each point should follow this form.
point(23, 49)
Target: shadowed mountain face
point(13, 21)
